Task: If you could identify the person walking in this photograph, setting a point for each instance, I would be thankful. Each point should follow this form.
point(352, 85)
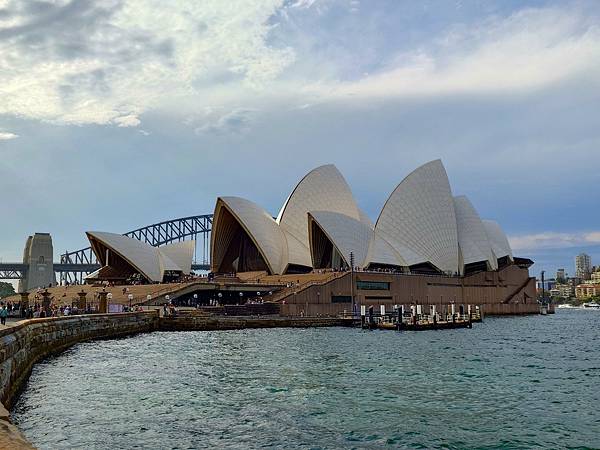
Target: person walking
point(3, 314)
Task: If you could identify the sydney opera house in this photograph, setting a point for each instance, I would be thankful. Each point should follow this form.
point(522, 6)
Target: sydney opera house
point(422, 228)
point(126, 259)
point(426, 246)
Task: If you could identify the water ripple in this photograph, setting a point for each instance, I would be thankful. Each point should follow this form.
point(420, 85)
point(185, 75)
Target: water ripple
point(510, 383)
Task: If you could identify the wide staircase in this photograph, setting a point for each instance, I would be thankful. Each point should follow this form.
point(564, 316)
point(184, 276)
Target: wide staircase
point(297, 285)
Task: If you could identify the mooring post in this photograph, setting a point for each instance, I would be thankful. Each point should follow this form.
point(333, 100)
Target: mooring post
point(46, 302)
point(82, 303)
point(434, 314)
point(103, 307)
point(24, 303)
point(400, 314)
point(362, 315)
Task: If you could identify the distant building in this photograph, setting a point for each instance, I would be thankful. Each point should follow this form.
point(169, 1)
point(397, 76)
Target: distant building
point(584, 291)
point(548, 284)
point(583, 266)
point(563, 291)
point(560, 275)
point(595, 278)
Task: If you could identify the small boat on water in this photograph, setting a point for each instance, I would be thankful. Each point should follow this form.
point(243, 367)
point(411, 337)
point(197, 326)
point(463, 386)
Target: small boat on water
point(591, 305)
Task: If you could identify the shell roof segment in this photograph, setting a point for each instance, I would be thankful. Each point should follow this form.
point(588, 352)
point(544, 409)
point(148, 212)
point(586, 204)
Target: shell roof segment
point(472, 238)
point(419, 221)
point(150, 261)
point(497, 238)
point(348, 234)
point(322, 189)
point(262, 229)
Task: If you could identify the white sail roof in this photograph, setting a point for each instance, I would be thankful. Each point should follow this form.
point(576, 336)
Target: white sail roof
point(262, 229)
point(381, 252)
point(418, 219)
point(180, 255)
point(497, 238)
point(322, 189)
point(149, 261)
point(472, 238)
point(346, 233)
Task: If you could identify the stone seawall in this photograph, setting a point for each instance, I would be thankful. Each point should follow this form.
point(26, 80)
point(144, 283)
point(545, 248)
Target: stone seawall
point(24, 344)
point(199, 323)
point(30, 341)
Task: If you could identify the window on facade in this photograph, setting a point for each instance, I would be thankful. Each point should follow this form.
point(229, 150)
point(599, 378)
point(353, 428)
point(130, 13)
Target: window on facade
point(373, 285)
point(341, 299)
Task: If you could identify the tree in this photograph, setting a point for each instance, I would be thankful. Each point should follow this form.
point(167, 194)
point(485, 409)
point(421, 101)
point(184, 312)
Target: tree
point(6, 289)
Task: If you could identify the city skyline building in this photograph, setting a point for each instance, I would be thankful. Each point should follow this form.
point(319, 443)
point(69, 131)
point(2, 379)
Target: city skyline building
point(583, 266)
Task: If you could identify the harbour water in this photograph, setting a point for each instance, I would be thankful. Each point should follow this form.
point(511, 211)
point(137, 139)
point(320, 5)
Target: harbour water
point(513, 382)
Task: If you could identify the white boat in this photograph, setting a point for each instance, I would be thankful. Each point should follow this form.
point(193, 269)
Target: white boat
point(591, 305)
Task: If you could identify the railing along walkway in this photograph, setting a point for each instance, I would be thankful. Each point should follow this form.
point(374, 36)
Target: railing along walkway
point(297, 288)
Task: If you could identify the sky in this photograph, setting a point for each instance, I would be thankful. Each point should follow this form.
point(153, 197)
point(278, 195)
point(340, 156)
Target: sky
point(122, 113)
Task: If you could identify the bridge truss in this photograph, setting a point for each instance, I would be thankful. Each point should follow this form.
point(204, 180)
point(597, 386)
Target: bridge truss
point(11, 271)
point(196, 228)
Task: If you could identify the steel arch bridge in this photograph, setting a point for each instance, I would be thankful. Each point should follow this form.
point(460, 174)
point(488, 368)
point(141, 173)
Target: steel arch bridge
point(162, 233)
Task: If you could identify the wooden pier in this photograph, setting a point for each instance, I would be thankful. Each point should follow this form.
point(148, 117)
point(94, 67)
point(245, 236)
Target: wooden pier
point(416, 319)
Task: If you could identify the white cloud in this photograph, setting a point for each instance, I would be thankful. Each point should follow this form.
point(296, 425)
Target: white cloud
point(554, 240)
point(110, 62)
point(4, 136)
point(130, 120)
point(95, 62)
point(219, 122)
point(527, 50)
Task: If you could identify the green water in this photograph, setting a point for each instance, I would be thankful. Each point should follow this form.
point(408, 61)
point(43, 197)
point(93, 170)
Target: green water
point(517, 382)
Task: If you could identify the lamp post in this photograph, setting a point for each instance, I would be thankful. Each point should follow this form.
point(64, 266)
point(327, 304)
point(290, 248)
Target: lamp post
point(543, 287)
point(219, 295)
point(241, 295)
point(196, 300)
point(148, 298)
point(352, 280)
point(130, 297)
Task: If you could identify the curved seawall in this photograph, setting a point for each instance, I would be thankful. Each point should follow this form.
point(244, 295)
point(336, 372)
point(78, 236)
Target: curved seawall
point(29, 341)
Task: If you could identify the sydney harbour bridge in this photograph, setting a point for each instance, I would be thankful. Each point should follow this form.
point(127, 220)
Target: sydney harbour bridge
point(75, 265)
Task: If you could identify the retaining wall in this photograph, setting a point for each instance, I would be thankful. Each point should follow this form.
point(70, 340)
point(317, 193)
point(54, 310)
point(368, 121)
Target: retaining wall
point(29, 341)
point(200, 323)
